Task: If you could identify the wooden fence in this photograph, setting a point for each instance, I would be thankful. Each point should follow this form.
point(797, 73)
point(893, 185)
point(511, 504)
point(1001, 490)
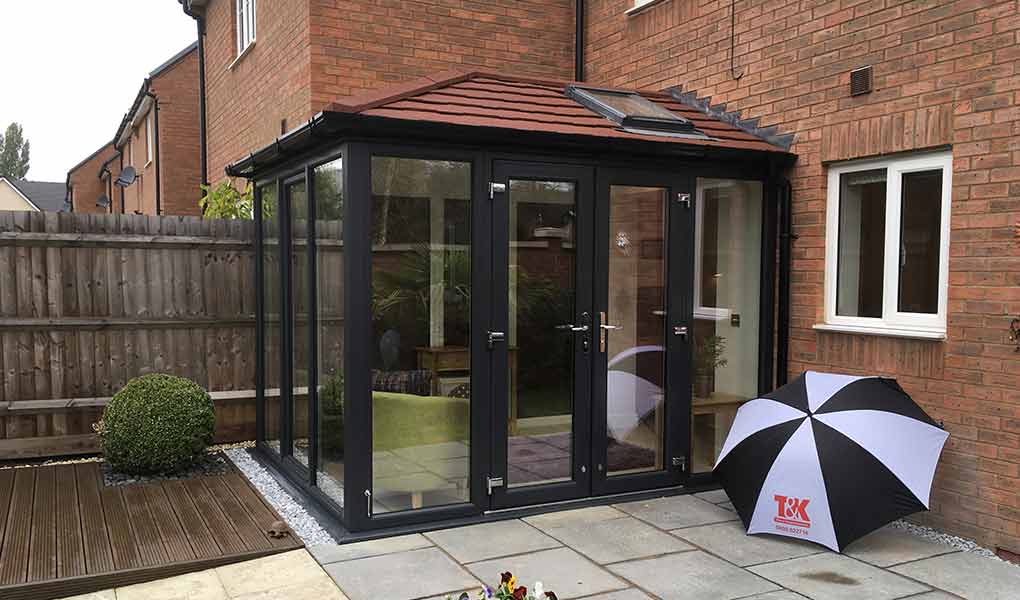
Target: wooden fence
point(89, 301)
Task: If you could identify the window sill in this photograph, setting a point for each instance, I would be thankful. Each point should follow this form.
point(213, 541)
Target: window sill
point(630, 12)
point(243, 53)
point(905, 332)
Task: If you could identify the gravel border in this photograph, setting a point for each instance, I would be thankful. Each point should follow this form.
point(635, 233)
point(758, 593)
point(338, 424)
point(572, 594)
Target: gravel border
point(301, 523)
point(946, 539)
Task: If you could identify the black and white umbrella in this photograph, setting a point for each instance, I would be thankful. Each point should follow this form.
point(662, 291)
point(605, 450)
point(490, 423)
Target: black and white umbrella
point(829, 458)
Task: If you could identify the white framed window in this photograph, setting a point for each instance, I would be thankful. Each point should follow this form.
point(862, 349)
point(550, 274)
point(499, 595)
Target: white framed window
point(640, 4)
point(887, 246)
point(245, 24)
point(150, 138)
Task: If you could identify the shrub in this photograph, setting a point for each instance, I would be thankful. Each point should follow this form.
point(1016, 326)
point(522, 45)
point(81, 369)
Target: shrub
point(156, 424)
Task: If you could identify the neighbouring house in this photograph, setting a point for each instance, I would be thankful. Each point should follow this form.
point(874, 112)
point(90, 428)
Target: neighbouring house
point(855, 213)
point(90, 182)
point(153, 164)
point(21, 194)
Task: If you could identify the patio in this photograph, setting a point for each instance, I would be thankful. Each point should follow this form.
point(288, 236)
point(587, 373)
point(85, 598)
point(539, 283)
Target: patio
point(676, 548)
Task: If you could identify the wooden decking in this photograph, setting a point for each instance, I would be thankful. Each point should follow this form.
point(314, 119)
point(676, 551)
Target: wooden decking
point(64, 533)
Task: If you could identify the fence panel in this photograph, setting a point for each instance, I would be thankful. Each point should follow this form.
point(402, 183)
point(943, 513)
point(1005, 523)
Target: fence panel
point(88, 302)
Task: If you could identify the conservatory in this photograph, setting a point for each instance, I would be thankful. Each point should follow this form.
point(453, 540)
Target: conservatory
point(484, 293)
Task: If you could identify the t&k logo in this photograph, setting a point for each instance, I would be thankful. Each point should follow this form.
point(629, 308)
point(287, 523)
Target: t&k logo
point(792, 511)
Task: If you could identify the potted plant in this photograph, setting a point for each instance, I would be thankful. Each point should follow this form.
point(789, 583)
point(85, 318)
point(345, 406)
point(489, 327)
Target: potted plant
point(708, 356)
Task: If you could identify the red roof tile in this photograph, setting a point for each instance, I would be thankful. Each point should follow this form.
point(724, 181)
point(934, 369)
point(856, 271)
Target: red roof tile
point(488, 100)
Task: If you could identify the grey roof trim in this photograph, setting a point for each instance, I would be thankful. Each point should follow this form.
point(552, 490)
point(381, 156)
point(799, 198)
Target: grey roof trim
point(769, 134)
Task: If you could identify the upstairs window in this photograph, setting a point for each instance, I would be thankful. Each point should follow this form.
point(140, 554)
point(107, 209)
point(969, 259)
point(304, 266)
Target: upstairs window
point(245, 25)
point(887, 246)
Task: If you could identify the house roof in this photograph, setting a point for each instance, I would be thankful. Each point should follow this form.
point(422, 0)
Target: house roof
point(44, 195)
point(508, 107)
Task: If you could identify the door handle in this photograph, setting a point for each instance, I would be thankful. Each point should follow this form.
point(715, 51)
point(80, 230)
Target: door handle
point(572, 327)
point(680, 330)
point(496, 337)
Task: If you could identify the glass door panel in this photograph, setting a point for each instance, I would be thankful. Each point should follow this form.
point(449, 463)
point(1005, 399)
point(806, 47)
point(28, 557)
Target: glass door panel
point(632, 330)
point(643, 294)
point(542, 308)
point(541, 336)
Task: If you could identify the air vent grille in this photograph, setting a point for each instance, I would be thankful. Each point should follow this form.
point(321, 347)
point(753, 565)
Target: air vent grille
point(860, 81)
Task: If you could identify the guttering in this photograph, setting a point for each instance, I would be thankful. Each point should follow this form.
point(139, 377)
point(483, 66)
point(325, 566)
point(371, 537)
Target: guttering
point(203, 154)
point(155, 149)
point(579, 40)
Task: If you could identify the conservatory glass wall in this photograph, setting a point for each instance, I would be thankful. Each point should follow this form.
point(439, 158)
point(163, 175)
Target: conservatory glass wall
point(443, 333)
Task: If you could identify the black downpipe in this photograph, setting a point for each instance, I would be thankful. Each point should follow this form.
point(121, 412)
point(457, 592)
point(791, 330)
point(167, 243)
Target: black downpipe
point(202, 153)
point(785, 246)
point(123, 206)
point(579, 40)
point(155, 149)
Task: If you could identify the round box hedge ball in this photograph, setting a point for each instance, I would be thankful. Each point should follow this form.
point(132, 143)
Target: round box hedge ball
point(156, 424)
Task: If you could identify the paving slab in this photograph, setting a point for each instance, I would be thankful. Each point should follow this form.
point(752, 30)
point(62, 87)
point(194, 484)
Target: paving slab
point(561, 570)
point(103, 595)
point(330, 553)
point(616, 540)
point(203, 585)
point(891, 546)
point(591, 514)
point(401, 576)
point(713, 496)
point(967, 574)
point(693, 575)
point(831, 576)
point(677, 512)
point(627, 594)
point(261, 574)
point(731, 542)
point(781, 595)
point(321, 589)
point(489, 540)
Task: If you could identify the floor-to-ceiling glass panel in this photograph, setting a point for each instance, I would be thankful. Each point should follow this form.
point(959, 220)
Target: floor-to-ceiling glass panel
point(329, 258)
point(300, 306)
point(421, 301)
point(727, 275)
point(271, 294)
point(632, 334)
point(542, 260)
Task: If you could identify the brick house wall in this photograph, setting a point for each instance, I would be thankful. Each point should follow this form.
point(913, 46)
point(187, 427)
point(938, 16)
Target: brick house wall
point(180, 170)
point(176, 127)
point(309, 53)
point(251, 99)
point(946, 73)
point(84, 184)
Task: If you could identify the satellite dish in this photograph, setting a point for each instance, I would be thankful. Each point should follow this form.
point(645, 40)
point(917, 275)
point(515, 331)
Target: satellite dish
point(103, 202)
point(126, 177)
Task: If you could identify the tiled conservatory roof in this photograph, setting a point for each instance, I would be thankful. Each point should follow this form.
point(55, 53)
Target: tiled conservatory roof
point(502, 110)
point(490, 100)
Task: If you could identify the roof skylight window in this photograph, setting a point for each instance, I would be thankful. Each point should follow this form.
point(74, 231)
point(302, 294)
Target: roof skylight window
point(632, 111)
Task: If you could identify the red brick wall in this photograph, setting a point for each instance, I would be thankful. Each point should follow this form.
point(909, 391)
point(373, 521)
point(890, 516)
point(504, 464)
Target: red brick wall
point(180, 170)
point(247, 98)
point(946, 72)
point(362, 45)
point(85, 184)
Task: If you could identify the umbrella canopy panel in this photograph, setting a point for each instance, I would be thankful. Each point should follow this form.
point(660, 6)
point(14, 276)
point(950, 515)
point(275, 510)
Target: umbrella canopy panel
point(829, 458)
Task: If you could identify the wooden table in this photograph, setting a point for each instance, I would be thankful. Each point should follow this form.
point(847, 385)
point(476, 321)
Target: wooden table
point(451, 360)
point(723, 408)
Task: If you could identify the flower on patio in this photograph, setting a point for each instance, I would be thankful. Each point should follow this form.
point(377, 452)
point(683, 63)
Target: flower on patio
point(539, 592)
point(521, 593)
point(550, 596)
